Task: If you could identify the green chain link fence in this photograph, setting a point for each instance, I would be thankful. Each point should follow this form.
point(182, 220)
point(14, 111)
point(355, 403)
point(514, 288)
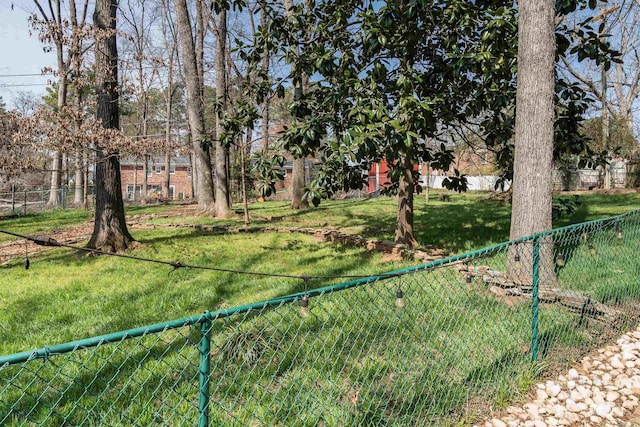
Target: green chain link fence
point(436, 344)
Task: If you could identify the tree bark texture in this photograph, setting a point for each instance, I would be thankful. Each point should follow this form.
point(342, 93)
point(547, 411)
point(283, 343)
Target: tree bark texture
point(56, 166)
point(297, 184)
point(223, 201)
point(56, 180)
point(533, 157)
point(404, 224)
point(167, 128)
point(245, 150)
point(195, 110)
point(200, 35)
point(110, 229)
point(78, 194)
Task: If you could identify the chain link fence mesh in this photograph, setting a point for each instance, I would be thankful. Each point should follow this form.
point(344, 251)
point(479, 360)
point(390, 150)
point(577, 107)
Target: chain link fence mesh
point(437, 344)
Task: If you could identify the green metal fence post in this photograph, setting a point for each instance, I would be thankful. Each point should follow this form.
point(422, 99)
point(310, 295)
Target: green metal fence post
point(534, 298)
point(205, 348)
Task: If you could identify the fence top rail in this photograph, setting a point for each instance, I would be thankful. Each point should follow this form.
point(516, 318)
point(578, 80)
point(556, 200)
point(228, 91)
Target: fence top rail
point(45, 352)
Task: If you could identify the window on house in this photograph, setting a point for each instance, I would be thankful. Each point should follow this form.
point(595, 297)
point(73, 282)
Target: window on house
point(149, 171)
point(172, 170)
point(158, 169)
point(189, 172)
point(130, 194)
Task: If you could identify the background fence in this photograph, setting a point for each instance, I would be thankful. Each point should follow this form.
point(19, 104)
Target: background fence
point(430, 345)
point(21, 201)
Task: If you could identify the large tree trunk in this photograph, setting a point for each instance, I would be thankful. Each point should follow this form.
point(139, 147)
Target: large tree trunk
point(195, 110)
point(110, 229)
point(223, 201)
point(297, 185)
point(404, 224)
point(533, 157)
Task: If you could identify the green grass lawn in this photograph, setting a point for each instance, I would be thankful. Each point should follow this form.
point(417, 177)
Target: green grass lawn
point(466, 222)
point(62, 289)
point(454, 351)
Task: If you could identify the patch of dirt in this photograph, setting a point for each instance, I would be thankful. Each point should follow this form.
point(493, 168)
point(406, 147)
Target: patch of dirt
point(79, 234)
point(391, 257)
point(603, 191)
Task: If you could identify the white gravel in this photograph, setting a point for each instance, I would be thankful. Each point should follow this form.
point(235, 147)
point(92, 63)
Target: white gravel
point(602, 390)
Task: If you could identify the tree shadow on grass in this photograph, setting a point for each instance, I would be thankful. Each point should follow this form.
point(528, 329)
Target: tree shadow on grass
point(204, 290)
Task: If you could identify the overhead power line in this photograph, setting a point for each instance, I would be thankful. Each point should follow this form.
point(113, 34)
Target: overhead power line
point(2, 86)
point(26, 75)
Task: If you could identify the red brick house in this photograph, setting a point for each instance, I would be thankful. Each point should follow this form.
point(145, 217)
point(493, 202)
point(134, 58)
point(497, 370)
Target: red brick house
point(180, 184)
point(470, 163)
point(379, 176)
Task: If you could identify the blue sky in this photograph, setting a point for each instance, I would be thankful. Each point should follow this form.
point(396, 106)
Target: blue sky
point(20, 53)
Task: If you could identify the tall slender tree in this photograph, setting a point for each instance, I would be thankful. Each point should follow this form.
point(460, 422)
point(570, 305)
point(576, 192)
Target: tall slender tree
point(223, 200)
point(169, 92)
point(65, 33)
point(110, 231)
point(139, 20)
point(301, 82)
point(534, 134)
point(195, 109)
